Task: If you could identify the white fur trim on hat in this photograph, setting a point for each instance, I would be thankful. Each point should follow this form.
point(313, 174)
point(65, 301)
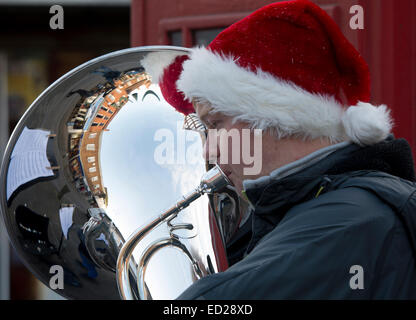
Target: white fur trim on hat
point(154, 63)
point(265, 101)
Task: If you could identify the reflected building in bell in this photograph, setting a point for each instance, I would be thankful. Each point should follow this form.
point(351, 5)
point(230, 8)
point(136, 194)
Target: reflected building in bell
point(86, 125)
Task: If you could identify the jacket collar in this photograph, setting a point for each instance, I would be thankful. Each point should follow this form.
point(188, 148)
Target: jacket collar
point(291, 168)
point(392, 156)
point(272, 196)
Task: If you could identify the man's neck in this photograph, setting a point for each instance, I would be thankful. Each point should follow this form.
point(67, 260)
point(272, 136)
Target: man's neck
point(293, 167)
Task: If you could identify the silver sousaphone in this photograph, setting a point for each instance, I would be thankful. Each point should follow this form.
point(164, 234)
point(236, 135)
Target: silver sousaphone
point(103, 178)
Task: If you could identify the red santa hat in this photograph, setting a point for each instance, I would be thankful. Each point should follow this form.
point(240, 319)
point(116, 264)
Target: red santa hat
point(287, 67)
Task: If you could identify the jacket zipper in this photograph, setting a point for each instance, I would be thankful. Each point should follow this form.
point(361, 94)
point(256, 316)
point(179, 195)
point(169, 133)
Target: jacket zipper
point(323, 185)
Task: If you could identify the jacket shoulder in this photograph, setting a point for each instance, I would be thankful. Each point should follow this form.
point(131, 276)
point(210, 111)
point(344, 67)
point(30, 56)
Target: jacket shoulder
point(341, 208)
point(309, 254)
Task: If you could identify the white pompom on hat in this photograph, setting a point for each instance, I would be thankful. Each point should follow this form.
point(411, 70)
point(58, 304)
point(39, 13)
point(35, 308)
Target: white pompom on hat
point(366, 124)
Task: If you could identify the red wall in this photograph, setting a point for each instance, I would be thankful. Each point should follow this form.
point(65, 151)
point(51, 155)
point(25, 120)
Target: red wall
point(388, 41)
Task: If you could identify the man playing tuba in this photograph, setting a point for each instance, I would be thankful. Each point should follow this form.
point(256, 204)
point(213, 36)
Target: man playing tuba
point(332, 205)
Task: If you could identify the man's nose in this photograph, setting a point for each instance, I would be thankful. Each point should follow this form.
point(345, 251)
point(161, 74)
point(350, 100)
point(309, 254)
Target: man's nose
point(211, 150)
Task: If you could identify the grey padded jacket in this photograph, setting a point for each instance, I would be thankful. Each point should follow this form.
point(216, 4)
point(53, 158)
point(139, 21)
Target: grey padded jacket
point(342, 228)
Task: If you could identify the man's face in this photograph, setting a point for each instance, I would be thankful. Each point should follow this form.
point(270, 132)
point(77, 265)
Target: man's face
point(230, 145)
point(248, 154)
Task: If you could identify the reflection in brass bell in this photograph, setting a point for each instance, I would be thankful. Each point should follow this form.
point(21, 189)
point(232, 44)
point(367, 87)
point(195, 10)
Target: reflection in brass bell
point(88, 164)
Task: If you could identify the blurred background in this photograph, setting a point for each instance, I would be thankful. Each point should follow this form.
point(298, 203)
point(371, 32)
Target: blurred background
point(32, 56)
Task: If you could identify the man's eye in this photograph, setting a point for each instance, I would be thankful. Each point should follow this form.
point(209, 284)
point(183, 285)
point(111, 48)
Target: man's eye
point(213, 124)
